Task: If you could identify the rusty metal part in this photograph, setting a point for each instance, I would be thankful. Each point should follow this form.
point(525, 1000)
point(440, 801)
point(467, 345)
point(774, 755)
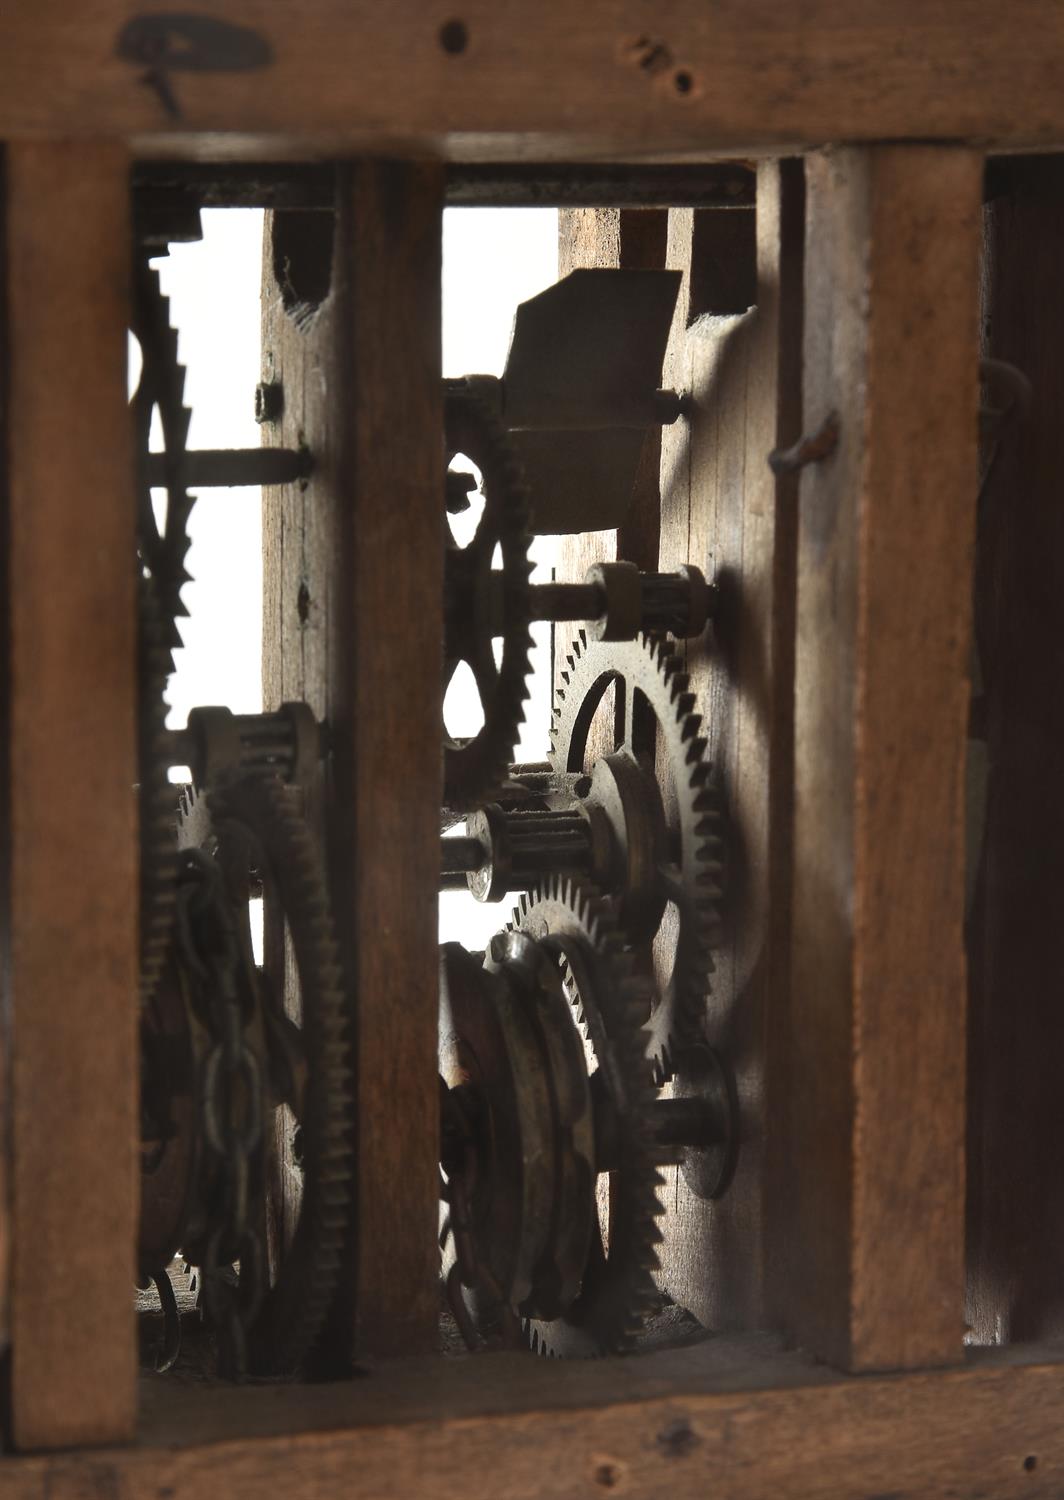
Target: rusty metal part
point(609, 1003)
point(229, 468)
point(161, 388)
point(184, 42)
point(174, 1045)
point(580, 392)
point(167, 1356)
point(811, 448)
point(587, 352)
point(534, 974)
point(474, 767)
point(229, 1108)
point(609, 827)
point(312, 186)
point(250, 830)
point(507, 851)
point(655, 716)
point(157, 798)
point(531, 1128)
point(618, 601)
point(705, 1121)
point(527, 1126)
point(218, 743)
point(162, 558)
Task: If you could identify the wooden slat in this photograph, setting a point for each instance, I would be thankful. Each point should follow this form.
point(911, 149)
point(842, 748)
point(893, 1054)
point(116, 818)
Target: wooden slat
point(623, 79)
point(353, 603)
point(1016, 1049)
point(70, 973)
point(685, 1424)
point(724, 511)
point(872, 1276)
point(388, 748)
point(301, 656)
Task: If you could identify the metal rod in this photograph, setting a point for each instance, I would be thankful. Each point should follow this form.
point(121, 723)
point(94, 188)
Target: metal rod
point(567, 601)
point(686, 1122)
point(157, 185)
point(228, 468)
point(600, 185)
point(461, 856)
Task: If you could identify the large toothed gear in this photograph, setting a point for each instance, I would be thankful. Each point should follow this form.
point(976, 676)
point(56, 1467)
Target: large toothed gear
point(250, 826)
point(484, 603)
point(609, 1004)
point(653, 693)
point(162, 564)
point(158, 849)
point(161, 388)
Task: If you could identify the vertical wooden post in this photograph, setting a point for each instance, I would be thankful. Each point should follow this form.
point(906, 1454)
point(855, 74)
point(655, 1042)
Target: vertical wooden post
point(391, 742)
point(875, 1043)
point(1016, 1038)
point(736, 352)
point(353, 611)
point(70, 919)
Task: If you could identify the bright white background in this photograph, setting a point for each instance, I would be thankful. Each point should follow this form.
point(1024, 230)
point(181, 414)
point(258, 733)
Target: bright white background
point(493, 259)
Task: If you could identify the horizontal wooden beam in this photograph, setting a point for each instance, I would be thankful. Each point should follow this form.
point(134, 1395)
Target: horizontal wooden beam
point(730, 1416)
point(617, 78)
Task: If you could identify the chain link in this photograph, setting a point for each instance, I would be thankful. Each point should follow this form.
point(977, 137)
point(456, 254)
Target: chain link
point(231, 1096)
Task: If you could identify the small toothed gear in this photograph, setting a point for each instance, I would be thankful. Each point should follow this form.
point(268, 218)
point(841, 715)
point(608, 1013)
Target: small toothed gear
point(483, 603)
point(576, 928)
point(653, 693)
point(250, 819)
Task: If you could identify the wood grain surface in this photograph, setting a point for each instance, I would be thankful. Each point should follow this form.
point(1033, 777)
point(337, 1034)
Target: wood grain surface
point(70, 938)
point(724, 511)
point(301, 648)
point(1016, 1049)
point(874, 1040)
point(616, 78)
point(718, 1419)
point(353, 603)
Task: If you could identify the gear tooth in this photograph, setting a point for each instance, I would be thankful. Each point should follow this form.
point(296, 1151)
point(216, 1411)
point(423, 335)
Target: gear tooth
point(654, 664)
